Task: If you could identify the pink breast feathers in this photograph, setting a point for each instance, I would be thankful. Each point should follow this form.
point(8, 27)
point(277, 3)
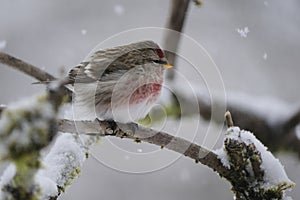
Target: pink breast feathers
point(148, 92)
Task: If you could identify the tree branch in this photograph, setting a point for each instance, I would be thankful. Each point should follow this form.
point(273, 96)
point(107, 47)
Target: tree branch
point(228, 119)
point(191, 150)
point(27, 128)
point(29, 69)
point(25, 67)
point(182, 146)
point(269, 135)
point(240, 160)
point(175, 22)
point(275, 138)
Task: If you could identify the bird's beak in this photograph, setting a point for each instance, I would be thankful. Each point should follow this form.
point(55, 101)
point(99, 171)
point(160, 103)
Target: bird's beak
point(168, 66)
point(165, 63)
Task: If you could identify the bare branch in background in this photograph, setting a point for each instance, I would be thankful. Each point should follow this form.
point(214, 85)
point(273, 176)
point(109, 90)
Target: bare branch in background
point(175, 22)
point(283, 136)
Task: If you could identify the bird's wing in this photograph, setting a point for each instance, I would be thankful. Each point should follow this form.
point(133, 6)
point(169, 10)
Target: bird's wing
point(99, 65)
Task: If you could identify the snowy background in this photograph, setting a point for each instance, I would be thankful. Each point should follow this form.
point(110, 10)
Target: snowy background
point(255, 45)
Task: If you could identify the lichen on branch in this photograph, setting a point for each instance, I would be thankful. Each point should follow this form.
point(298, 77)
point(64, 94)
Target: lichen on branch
point(254, 172)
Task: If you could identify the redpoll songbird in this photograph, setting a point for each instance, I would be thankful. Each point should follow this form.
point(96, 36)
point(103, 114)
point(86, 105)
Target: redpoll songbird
point(121, 83)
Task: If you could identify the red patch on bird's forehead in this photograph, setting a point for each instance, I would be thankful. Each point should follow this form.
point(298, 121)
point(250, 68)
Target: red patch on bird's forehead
point(160, 53)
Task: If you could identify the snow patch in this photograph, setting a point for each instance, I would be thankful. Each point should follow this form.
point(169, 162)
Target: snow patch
point(47, 186)
point(222, 155)
point(26, 116)
point(65, 157)
point(274, 173)
point(6, 177)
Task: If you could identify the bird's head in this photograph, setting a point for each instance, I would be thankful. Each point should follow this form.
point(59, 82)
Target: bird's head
point(146, 52)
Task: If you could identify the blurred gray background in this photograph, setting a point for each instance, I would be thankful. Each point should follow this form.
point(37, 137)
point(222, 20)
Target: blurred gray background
point(59, 34)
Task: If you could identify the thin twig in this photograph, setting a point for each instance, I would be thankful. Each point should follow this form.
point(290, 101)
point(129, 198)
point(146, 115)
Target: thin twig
point(228, 119)
point(25, 67)
point(162, 139)
point(29, 69)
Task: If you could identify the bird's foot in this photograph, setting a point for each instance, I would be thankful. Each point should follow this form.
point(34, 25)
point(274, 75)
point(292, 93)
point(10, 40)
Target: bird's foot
point(113, 128)
point(110, 126)
point(129, 129)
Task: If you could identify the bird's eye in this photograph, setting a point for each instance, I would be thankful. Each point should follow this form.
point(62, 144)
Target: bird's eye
point(159, 61)
point(160, 53)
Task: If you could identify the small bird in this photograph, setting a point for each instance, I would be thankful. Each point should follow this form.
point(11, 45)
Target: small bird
point(118, 84)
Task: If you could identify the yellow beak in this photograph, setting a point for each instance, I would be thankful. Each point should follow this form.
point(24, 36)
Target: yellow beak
point(168, 66)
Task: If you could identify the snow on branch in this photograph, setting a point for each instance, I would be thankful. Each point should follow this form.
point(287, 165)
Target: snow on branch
point(26, 127)
point(256, 173)
point(62, 164)
point(243, 160)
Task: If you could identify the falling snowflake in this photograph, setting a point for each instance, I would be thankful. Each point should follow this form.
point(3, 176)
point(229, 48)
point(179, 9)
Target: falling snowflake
point(140, 150)
point(266, 3)
point(265, 56)
point(2, 44)
point(119, 9)
point(243, 31)
point(83, 32)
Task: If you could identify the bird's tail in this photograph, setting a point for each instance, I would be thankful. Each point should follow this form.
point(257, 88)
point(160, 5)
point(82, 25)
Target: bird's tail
point(64, 81)
point(42, 82)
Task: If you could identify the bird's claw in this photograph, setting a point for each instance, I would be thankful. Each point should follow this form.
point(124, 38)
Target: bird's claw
point(129, 128)
point(110, 126)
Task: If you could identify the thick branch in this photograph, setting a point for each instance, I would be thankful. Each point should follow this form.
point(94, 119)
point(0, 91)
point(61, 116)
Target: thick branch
point(182, 146)
point(241, 162)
